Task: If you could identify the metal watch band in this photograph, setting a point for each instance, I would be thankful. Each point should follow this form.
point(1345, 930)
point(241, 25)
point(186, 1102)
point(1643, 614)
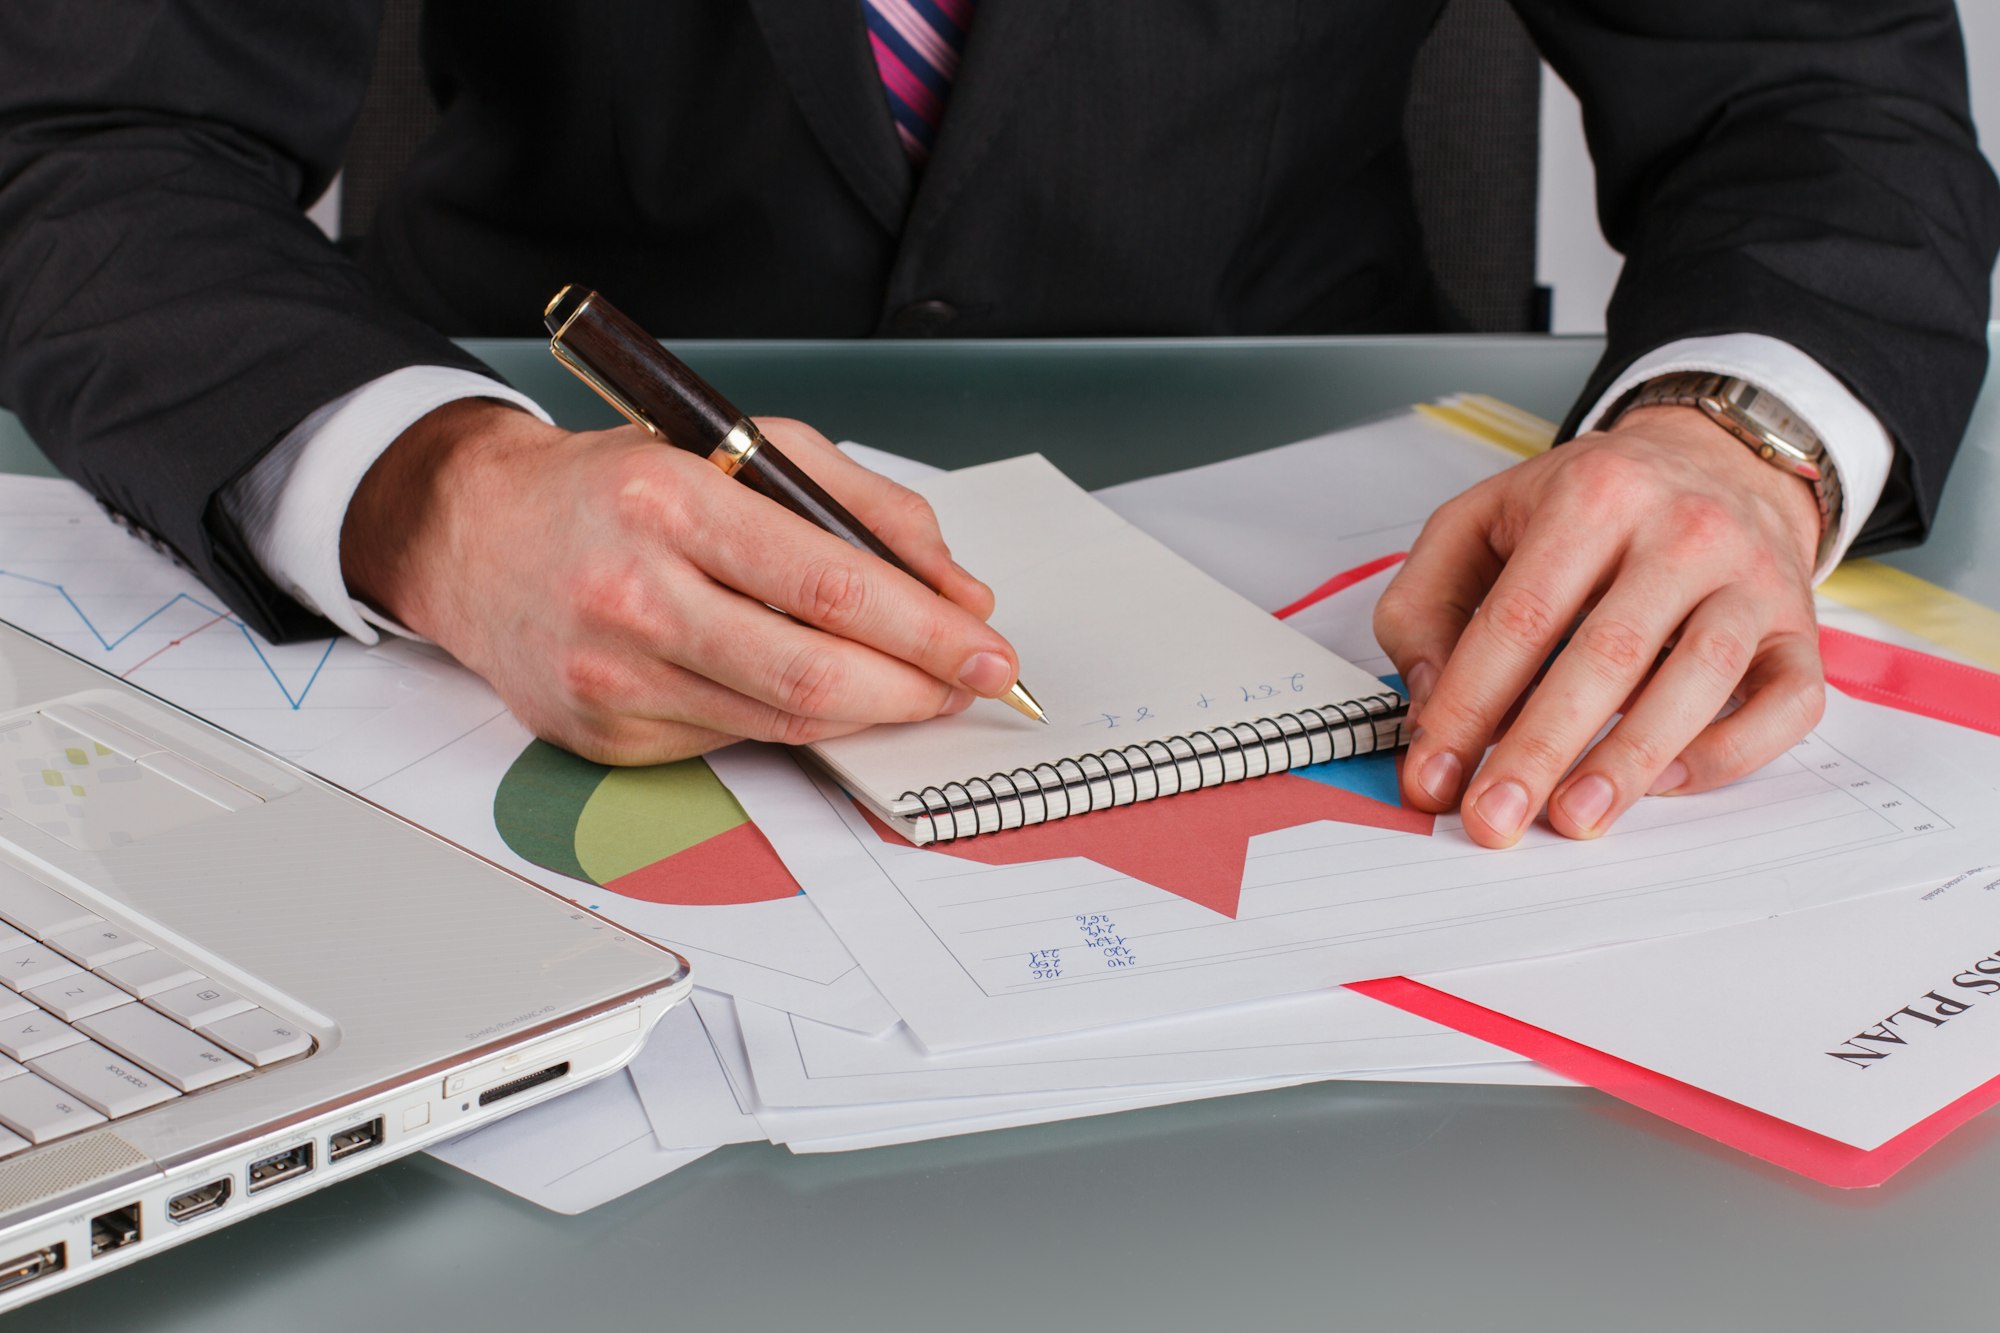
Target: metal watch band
point(1744, 409)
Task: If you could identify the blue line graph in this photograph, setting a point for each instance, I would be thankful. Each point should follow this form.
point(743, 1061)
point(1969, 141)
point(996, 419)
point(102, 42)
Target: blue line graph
point(296, 701)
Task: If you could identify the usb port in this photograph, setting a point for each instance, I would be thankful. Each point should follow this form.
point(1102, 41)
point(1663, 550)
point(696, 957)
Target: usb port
point(348, 1142)
point(114, 1230)
point(280, 1167)
point(195, 1202)
point(23, 1269)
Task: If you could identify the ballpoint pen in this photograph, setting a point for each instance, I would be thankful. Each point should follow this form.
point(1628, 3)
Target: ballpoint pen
point(656, 391)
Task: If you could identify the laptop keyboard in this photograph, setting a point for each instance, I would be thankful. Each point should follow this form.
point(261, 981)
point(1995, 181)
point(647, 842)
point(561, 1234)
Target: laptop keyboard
point(96, 1022)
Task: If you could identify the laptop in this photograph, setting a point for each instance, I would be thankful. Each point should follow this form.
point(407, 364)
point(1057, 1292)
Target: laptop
point(225, 983)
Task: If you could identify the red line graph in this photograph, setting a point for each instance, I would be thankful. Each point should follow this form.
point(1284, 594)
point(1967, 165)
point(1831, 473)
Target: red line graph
point(172, 643)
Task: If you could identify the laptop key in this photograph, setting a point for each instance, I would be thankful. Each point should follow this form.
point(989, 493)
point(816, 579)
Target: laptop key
point(94, 946)
point(259, 1036)
point(148, 973)
point(27, 966)
point(11, 1143)
point(38, 909)
point(25, 1036)
point(38, 1110)
point(111, 1083)
point(199, 1003)
point(9, 1068)
point(78, 997)
point(181, 1057)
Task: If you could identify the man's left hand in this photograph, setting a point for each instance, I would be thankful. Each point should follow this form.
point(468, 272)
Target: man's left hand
point(1663, 533)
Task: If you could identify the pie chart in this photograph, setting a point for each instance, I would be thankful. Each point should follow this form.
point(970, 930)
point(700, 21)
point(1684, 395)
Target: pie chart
point(670, 833)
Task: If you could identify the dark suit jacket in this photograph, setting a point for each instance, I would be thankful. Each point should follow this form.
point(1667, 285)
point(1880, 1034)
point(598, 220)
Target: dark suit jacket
point(728, 167)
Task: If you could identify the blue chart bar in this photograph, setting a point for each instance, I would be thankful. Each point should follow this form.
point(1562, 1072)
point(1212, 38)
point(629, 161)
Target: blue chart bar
point(108, 644)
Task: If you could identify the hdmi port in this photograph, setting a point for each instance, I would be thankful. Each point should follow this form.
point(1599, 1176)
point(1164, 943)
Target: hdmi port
point(195, 1202)
point(280, 1167)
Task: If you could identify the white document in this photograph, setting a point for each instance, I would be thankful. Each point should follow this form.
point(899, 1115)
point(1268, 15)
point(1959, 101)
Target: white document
point(780, 952)
point(1854, 1021)
point(399, 723)
point(1275, 525)
point(569, 1155)
point(963, 951)
point(1126, 645)
point(838, 1128)
point(798, 1062)
point(680, 1082)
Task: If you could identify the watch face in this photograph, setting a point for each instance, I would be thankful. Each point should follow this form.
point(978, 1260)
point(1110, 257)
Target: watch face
point(1771, 420)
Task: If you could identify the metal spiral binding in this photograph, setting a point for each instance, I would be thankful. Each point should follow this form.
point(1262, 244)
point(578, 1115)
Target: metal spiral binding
point(1122, 776)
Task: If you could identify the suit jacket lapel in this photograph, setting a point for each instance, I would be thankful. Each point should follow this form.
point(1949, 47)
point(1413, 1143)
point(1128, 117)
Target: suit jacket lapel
point(821, 48)
point(1007, 49)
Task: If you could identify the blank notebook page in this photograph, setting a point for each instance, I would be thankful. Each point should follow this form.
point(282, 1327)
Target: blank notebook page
point(1121, 641)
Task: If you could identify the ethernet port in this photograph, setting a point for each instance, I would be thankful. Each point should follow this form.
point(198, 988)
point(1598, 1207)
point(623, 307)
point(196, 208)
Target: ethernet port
point(114, 1230)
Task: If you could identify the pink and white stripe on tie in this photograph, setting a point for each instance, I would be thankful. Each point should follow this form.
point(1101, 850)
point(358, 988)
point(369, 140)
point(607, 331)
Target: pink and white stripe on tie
point(916, 45)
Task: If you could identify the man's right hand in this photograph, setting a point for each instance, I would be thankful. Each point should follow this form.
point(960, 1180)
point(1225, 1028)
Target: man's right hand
point(618, 592)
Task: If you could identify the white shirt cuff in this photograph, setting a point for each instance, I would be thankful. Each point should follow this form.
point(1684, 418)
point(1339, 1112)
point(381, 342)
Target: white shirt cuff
point(1858, 446)
point(291, 504)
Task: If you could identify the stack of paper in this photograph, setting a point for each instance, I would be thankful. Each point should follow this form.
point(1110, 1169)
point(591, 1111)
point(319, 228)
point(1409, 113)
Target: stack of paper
point(858, 990)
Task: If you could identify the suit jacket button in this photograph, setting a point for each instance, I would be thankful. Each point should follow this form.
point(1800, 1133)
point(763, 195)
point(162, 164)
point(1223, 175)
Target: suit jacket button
point(923, 319)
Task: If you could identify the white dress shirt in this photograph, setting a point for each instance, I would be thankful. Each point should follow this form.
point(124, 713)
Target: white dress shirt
point(290, 506)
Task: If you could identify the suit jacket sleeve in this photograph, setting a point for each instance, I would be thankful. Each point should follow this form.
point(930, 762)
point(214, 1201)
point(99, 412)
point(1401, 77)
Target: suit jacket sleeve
point(1803, 170)
point(167, 313)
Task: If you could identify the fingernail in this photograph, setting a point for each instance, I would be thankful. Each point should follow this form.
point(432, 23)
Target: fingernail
point(1673, 776)
point(1439, 776)
point(1504, 807)
point(986, 673)
point(1420, 680)
point(1587, 800)
point(959, 701)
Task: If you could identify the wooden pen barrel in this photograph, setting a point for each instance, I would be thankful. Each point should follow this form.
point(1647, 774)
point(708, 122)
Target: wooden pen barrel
point(628, 363)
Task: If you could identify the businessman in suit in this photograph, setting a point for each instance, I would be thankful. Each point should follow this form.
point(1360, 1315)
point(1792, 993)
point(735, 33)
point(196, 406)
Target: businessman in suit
point(1795, 186)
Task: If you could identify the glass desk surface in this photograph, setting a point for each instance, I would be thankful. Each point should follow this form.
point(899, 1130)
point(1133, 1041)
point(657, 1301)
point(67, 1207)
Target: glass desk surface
point(1363, 1206)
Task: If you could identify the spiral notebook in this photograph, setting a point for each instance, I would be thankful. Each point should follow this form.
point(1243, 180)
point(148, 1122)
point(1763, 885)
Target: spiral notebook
point(1157, 680)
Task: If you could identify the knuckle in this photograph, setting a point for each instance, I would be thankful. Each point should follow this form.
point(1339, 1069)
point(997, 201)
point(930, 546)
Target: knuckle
point(1645, 752)
point(608, 596)
point(1537, 755)
point(1809, 705)
point(791, 729)
point(1612, 647)
point(1605, 478)
point(1723, 655)
point(644, 498)
point(832, 594)
point(1520, 615)
point(913, 510)
point(1699, 522)
point(1393, 610)
point(1729, 754)
point(591, 681)
point(810, 682)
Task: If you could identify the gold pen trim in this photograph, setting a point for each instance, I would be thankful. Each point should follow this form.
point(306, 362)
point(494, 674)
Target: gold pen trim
point(603, 390)
point(742, 441)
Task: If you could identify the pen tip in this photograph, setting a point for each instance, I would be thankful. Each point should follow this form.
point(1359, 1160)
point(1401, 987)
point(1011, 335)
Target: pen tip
point(1024, 703)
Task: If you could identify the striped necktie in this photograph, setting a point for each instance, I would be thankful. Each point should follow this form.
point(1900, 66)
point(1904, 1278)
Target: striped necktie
point(916, 45)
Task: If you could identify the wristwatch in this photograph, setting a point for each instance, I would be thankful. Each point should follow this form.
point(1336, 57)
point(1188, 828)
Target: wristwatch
point(1762, 422)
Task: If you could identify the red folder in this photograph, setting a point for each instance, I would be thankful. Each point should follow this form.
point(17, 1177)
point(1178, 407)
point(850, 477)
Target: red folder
point(1867, 669)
